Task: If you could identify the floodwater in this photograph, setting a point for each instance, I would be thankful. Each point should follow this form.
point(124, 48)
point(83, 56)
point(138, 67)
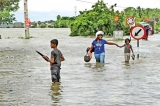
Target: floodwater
point(25, 76)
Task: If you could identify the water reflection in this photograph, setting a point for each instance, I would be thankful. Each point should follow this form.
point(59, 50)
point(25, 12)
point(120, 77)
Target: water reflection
point(1, 98)
point(126, 64)
point(56, 93)
point(94, 65)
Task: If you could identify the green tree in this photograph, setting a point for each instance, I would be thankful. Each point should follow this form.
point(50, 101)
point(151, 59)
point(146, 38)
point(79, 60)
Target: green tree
point(43, 25)
point(101, 17)
point(33, 25)
point(89, 21)
point(64, 22)
point(6, 7)
point(58, 17)
point(39, 22)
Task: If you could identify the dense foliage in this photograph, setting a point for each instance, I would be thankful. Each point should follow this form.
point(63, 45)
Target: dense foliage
point(43, 25)
point(88, 22)
point(6, 7)
point(101, 17)
point(63, 22)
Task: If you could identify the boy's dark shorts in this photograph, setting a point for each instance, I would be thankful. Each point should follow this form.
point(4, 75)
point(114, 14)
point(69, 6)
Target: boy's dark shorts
point(55, 75)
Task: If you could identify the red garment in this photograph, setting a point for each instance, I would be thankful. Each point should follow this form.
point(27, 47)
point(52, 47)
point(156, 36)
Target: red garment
point(145, 36)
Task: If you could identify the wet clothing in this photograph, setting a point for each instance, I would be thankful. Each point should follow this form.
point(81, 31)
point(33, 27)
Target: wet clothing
point(99, 46)
point(127, 48)
point(127, 52)
point(147, 32)
point(55, 75)
point(127, 57)
point(100, 57)
point(56, 66)
point(56, 54)
point(99, 50)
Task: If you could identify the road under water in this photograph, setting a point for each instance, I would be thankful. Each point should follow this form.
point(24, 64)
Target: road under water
point(25, 77)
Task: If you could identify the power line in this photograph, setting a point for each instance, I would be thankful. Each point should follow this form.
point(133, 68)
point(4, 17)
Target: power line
point(85, 1)
point(75, 10)
point(107, 4)
point(94, 3)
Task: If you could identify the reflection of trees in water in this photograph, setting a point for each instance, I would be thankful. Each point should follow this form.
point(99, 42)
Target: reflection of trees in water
point(56, 93)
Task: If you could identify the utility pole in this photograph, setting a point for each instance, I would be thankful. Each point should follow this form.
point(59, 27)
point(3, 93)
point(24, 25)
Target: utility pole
point(26, 17)
point(75, 10)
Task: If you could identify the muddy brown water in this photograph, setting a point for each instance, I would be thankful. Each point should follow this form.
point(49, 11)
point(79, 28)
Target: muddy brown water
point(25, 76)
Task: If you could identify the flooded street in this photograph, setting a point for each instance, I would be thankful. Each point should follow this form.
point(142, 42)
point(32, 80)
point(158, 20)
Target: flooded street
point(25, 76)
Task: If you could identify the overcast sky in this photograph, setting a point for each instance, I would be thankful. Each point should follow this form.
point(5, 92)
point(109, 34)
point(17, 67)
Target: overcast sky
point(49, 9)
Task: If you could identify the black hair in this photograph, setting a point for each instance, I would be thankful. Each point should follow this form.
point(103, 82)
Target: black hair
point(54, 41)
point(127, 39)
point(88, 49)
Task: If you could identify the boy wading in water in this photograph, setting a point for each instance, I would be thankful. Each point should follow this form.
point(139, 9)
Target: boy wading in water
point(127, 47)
point(55, 61)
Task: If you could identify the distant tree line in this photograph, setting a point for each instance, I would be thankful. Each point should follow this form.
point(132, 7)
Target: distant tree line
point(100, 17)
